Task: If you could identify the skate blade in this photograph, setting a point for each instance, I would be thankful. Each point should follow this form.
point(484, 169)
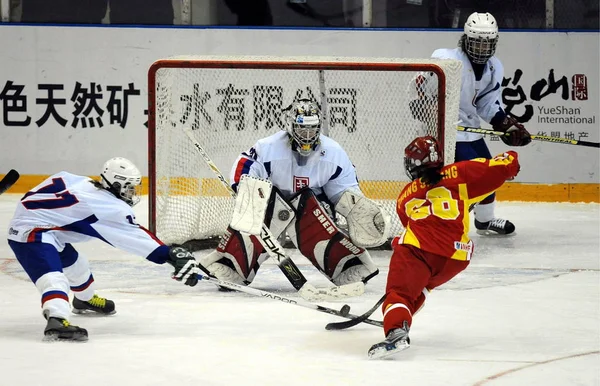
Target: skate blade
point(91, 312)
point(385, 351)
point(56, 337)
point(489, 233)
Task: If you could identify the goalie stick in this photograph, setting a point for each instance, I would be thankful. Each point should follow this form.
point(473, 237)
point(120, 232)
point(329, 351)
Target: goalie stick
point(364, 318)
point(275, 250)
point(9, 180)
point(344, 312)
point(533, 136)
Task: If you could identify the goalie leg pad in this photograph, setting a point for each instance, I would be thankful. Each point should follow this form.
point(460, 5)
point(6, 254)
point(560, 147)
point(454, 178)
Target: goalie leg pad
point(368, 223)
point(280, 213)
point(332, 252)
point(239, 255)
point(360, 268)
point(237, 258)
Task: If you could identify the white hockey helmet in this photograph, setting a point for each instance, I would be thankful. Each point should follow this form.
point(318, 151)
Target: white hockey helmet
point(304, 125)
point(481, 37)
point(123, 179)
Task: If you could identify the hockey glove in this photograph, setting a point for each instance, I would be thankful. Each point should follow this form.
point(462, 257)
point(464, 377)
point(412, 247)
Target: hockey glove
point(518, 135)
point(186, 266)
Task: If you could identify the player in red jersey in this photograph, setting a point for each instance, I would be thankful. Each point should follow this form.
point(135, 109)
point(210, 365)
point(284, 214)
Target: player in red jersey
point(435, 245)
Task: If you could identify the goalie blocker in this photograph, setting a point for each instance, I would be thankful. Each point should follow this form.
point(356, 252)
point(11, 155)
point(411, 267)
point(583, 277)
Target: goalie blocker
point(312, 230)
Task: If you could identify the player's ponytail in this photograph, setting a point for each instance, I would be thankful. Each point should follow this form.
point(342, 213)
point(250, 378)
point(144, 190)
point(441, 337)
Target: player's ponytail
point(97, 184)
point(431, 176)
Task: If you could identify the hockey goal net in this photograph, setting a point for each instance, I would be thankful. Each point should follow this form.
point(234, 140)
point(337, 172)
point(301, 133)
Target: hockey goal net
point(231, 102)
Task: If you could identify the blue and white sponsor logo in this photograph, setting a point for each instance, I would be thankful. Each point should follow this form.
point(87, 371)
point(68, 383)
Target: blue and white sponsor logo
point(467, 247)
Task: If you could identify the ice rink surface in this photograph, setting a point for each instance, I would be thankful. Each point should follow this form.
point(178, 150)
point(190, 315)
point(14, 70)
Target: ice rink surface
point(525, 312)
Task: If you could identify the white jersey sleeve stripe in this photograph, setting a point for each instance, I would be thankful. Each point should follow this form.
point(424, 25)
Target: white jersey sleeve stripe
point(83, 227)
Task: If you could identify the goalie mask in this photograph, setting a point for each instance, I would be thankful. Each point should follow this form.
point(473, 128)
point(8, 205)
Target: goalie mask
point(123, 179)
point(304, 126)
point(480, 38)
point(422, 154)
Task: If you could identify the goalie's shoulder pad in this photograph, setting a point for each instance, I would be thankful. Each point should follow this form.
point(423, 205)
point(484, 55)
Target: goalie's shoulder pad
point(368, 223)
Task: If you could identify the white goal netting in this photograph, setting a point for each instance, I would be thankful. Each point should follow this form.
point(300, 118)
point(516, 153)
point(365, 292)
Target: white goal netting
point(231, 102)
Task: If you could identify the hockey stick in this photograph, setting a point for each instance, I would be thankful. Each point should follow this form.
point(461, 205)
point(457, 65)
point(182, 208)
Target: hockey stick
point(275, 250)
point(9, 180)
point(344, 312)
point(533, 136)
point(364, 318)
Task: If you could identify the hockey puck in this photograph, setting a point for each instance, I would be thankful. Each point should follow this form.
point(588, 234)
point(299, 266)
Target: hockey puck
point(345, 310)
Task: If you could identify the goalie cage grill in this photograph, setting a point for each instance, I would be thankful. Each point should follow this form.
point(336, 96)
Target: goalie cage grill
point(231, 102)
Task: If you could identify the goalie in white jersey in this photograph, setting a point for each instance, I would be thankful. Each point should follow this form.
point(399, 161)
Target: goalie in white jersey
point(67, 209)
point(313, 181)
point(480, 97)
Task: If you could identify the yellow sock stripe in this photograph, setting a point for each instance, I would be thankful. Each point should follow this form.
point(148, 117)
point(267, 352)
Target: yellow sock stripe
point(394, 306)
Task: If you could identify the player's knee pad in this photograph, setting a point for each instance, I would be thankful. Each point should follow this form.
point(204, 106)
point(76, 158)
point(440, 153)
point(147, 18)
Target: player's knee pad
point(332, 252)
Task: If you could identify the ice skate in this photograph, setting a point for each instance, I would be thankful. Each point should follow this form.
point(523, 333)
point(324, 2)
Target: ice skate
point(95, 305)
point(59, 329)
point(496, 226)
point(397, 340)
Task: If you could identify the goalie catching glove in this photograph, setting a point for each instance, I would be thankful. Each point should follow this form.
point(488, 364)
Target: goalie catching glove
point(186, 266)
point(517, 134)
point(368, 223)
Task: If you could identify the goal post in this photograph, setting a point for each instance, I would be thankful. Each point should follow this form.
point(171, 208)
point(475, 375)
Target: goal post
point(231, 102)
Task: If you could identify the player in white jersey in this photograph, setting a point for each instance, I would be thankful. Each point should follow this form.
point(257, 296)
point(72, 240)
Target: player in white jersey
point(313, 182)
point(481, 97)
point(67, 209)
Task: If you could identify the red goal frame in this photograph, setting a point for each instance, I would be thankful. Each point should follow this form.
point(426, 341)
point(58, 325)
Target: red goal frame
point(273, 65)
